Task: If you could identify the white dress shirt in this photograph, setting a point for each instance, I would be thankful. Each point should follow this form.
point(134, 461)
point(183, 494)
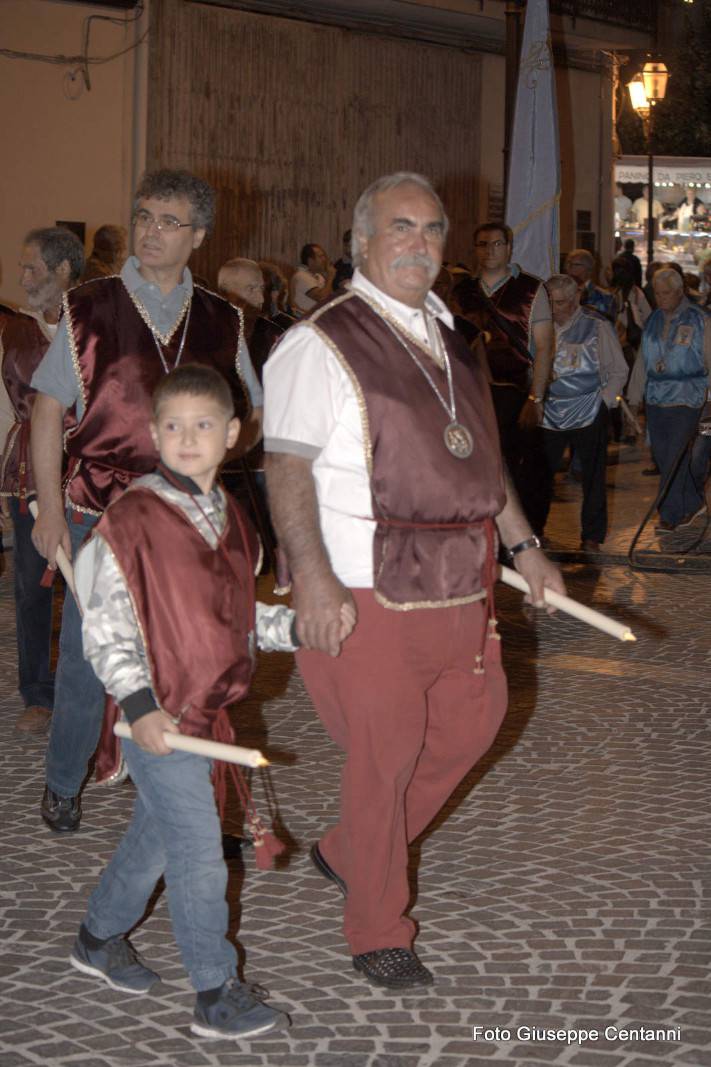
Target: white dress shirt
point(311, 410)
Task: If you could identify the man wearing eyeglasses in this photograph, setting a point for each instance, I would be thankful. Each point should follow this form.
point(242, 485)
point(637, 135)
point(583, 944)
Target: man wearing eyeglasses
point(513, 310)
point(118, 337)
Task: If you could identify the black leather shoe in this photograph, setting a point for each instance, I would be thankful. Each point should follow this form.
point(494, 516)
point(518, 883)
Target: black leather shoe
point(62, 814)
point(393, 968)
point(326, 869)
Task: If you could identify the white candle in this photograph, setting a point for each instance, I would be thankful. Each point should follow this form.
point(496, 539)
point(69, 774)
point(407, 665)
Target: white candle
point(572, 607)
point(247, 757)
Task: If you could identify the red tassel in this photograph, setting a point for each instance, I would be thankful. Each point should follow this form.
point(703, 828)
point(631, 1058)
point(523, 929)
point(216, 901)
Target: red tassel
point(47, 579)
point(267, 847)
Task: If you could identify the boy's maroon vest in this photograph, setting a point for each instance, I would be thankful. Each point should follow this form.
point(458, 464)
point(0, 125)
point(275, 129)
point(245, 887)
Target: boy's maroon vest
point(194, 604)
point(23, 347)
point(431, 509)
point(514, 302)
point(118, 367)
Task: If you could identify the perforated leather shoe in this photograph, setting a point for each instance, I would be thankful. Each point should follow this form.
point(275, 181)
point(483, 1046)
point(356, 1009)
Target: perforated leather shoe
point(62, 814)
point(393, 968)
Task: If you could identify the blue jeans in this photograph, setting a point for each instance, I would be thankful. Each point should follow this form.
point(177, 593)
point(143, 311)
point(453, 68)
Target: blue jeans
point(78, 694)
point(33, 614)
point(175, 832)
point(670, 429)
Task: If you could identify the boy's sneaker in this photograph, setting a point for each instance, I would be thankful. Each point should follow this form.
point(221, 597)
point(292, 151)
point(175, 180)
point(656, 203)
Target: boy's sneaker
point(233, 1011)
point(114, 961)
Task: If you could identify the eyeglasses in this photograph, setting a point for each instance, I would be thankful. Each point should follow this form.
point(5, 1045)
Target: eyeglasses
point(169, 223)
point(491, 244)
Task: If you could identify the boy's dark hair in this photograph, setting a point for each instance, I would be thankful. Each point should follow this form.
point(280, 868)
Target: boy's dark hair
point(195, 379)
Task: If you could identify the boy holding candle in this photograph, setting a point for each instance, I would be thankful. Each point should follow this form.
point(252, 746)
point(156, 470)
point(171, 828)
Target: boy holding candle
point(166, 586)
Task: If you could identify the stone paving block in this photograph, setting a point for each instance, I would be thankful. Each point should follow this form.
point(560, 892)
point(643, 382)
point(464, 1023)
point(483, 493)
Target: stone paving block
point(695, 1057)
point(397, 1059)
point(596, 1058)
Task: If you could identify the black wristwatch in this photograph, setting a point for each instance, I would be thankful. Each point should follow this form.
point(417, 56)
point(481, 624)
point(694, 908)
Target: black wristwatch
point(530, 542)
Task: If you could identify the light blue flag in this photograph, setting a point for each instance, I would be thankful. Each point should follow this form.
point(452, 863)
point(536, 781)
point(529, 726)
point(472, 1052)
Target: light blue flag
point(533, 189)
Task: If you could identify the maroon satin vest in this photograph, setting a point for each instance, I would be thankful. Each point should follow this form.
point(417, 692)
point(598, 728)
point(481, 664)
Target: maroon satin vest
point(194, 604)
point(23, 347)
point(513, 301)
point(118, 366)
point(431, 546)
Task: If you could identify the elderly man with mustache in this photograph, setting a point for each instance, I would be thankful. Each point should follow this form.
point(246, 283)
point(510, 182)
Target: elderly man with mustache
point(387, 488)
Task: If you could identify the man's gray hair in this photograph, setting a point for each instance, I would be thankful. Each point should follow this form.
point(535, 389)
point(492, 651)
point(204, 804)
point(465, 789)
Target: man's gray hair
point(363, 224)
point(57, 243)
point(563, 281)
point(670, 276)
point(165, 184)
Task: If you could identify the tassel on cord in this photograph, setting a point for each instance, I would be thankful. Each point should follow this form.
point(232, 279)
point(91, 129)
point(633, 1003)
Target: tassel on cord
point(267, 845)
point(492, 633)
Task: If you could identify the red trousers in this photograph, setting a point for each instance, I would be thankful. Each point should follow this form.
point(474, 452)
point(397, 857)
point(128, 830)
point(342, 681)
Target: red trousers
point(405, 703)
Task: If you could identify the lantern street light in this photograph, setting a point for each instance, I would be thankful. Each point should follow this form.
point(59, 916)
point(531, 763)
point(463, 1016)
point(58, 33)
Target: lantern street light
point(646, 90)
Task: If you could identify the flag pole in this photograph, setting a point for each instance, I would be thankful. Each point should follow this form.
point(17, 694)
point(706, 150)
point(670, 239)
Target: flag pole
point(513, 51)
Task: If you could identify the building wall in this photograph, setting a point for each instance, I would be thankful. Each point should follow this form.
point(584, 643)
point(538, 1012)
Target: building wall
point(291, 120)
point(64, 158)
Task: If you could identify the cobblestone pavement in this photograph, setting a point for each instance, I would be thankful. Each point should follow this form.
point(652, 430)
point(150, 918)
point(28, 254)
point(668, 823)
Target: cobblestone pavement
point(565, 887)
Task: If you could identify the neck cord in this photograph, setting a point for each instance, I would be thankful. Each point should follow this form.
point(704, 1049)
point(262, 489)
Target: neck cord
point(451, 408)
point(180, 346)
point(160, 339)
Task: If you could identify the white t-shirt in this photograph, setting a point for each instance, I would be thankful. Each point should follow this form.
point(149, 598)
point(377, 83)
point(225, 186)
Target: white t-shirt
point(311, 410)
point(302, 281)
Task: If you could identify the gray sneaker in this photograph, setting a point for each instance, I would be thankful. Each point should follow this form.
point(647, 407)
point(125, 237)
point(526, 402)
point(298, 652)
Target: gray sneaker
point(234, 1011)
point(114, 961)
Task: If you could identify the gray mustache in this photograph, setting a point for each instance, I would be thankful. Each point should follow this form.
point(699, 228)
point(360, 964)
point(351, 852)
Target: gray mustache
point(415, 260)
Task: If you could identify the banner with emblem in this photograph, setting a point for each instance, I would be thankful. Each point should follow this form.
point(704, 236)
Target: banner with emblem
point(533, 191)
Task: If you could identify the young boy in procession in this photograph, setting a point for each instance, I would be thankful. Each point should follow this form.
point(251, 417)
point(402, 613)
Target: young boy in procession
point(166, 585)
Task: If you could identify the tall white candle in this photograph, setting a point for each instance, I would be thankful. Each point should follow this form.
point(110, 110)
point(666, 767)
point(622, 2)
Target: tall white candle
point(565, 603)
point(246, 757)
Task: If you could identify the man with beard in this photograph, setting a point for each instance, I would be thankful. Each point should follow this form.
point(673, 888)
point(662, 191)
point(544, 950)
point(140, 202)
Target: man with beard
point(52, 260)
point(385, 481)
point(118, 337)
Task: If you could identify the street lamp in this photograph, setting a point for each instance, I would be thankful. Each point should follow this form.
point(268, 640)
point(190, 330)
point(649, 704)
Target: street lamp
point(646, 90)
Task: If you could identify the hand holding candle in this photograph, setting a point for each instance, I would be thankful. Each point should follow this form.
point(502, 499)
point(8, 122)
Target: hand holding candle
point(246, 757)
point(565, 603)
